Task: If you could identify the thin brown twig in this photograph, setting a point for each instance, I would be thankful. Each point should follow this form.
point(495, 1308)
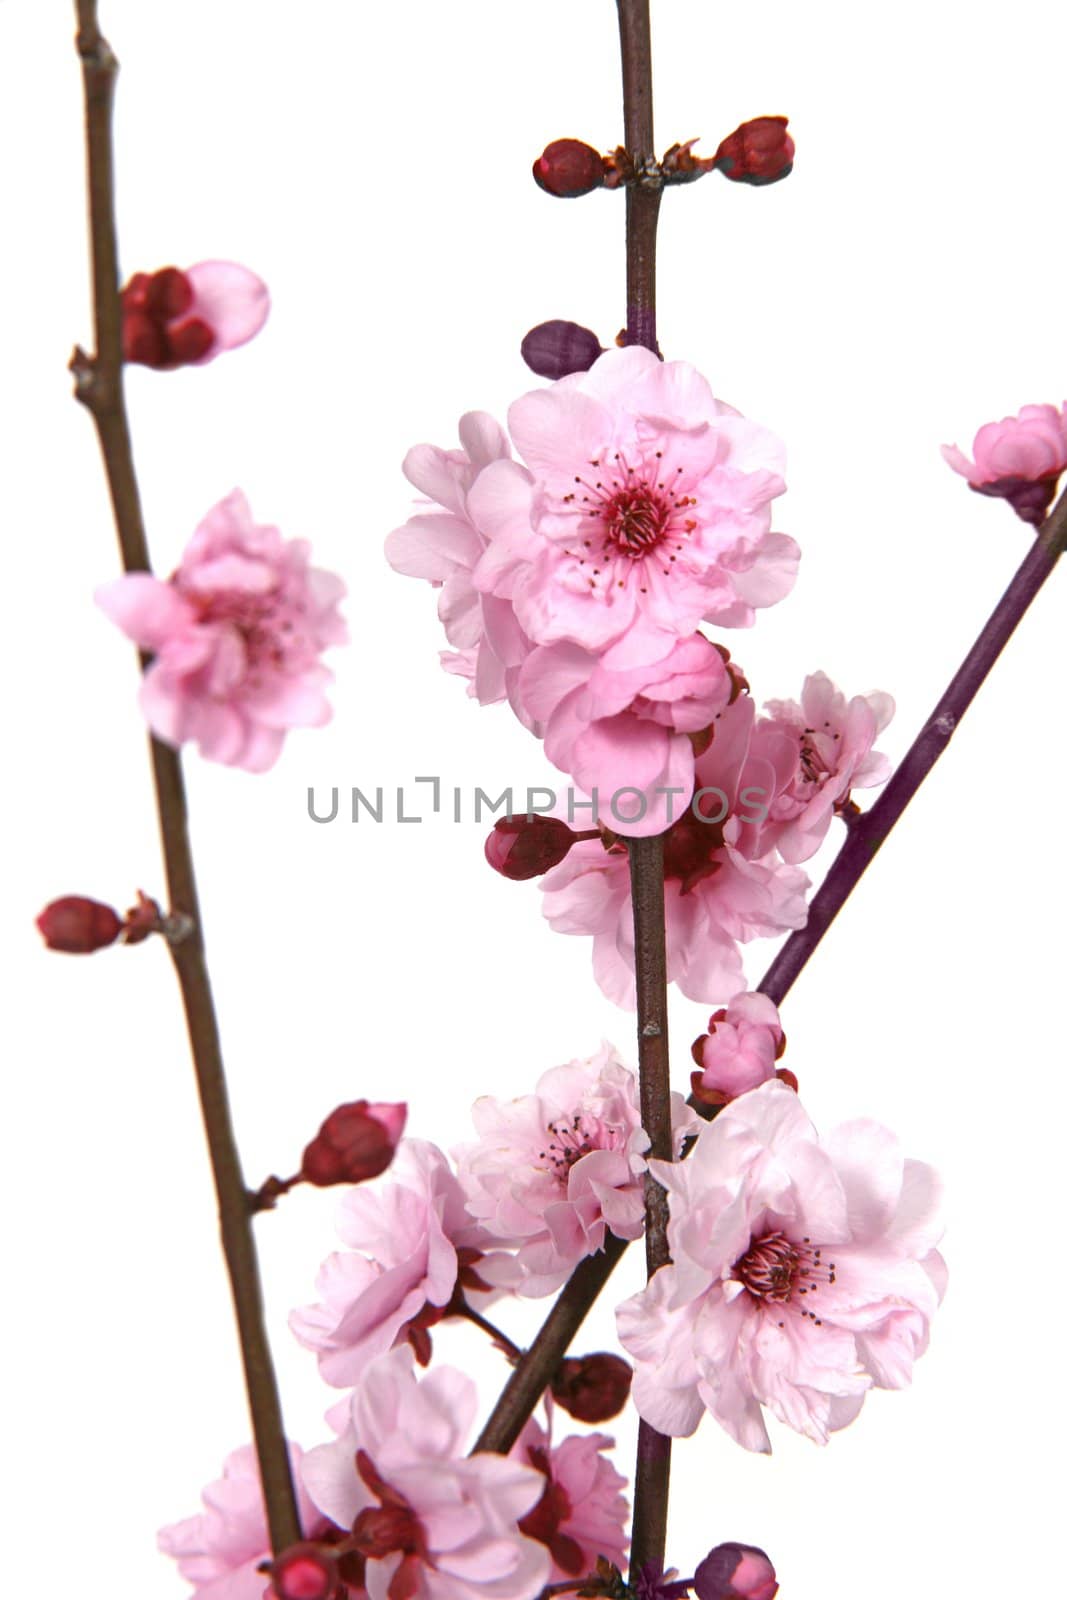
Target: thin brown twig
point(99, 386)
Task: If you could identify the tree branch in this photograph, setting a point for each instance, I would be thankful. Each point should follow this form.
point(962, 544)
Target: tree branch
point(99, 386)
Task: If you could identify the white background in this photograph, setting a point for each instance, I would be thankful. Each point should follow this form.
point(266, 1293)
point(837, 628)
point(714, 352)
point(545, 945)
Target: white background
point(372, 163)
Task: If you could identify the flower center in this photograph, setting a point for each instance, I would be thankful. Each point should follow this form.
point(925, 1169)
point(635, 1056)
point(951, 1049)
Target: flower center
point(627, 515)
point(572, 1139)
point(775, 1269)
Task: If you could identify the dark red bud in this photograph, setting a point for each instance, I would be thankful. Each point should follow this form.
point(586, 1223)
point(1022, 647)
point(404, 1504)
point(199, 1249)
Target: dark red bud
point(356, 1142)
point(758, 152)
point(568, 168)
point(735, 1572)
point(524, 847)
point(592, 1388)
point(135, 295)
point(78, 926)
point(305, 1572)
point(555, 349)
point(169, 294)
point(143, 341)
point(189, 341)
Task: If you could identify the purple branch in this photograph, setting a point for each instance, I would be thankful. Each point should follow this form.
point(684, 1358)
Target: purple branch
point(869, 831)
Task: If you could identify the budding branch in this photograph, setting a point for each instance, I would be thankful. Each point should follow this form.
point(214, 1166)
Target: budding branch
point(99, 386)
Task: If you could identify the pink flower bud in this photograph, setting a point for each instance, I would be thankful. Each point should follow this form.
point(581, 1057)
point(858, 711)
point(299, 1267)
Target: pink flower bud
point(556, 349)
point(78, 926)
point(739, 1050)
point(735, 1570)
point(758, 152)
point(592, 1388)
point(1018, 459)
point(173, 319)
point(524, 847)
point(305, 1572)
point(356, 1142)
point(568, 168)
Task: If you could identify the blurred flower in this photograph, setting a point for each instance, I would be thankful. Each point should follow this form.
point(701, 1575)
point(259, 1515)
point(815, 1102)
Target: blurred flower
point(431, 1522)
point(236, 635)
point(553, 1172)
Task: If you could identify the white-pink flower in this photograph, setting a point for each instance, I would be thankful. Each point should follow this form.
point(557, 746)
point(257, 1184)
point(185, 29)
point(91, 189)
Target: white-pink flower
point(1018, 459)
point(739, 1051)
point(221, 1549)
point(237, 636)
point(553, 1172)
point(445, 545)
point(431, 1522)
point(819, 751)
point(645, 510)
point(803, 1272)
point(624, 734)
point(582, 1513)
point(412, 1240)
point(723, 887)
point(172, 318)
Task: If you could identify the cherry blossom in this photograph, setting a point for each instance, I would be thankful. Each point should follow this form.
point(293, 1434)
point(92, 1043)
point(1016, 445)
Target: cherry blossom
point(803, 1272)
point(624, 734)
point(444, 546)
point(582, 1514)
point(1018, 459)
point(819, 751)
point(723, 886)
point(236, 634)
point(430, 1522)
point(221, 1550)
point(172, 318)
point(412, 1242)
point(739, 1051)
point(553, 1172)
point(644, 509)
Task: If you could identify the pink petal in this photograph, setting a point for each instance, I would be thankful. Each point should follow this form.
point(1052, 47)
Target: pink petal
point(148, 612)
point(232, 300)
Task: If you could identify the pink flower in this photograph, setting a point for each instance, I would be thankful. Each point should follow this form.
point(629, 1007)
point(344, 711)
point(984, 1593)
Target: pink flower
point(721, 889)
point(554, 1171)
point(739, 1050)
point(1019, 459)
point(220, 1550)
point(819, 751)
point(444, 546)
point(645, 510)
point(413, 1240)
point(432, 1523)
point(176, 319)
point(803, 1272)
point(581, 1514)
point(624, 735)
point(236, 634)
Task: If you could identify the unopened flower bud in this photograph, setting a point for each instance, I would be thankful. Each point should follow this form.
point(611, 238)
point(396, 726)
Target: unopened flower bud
point(568, 168)
point(556, 349)
point(759, 151)
point(305, 1572)
point(524, 847)
point(735, 1570)
point(78, 926)
point(356, 1142)
point(592, 1388)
